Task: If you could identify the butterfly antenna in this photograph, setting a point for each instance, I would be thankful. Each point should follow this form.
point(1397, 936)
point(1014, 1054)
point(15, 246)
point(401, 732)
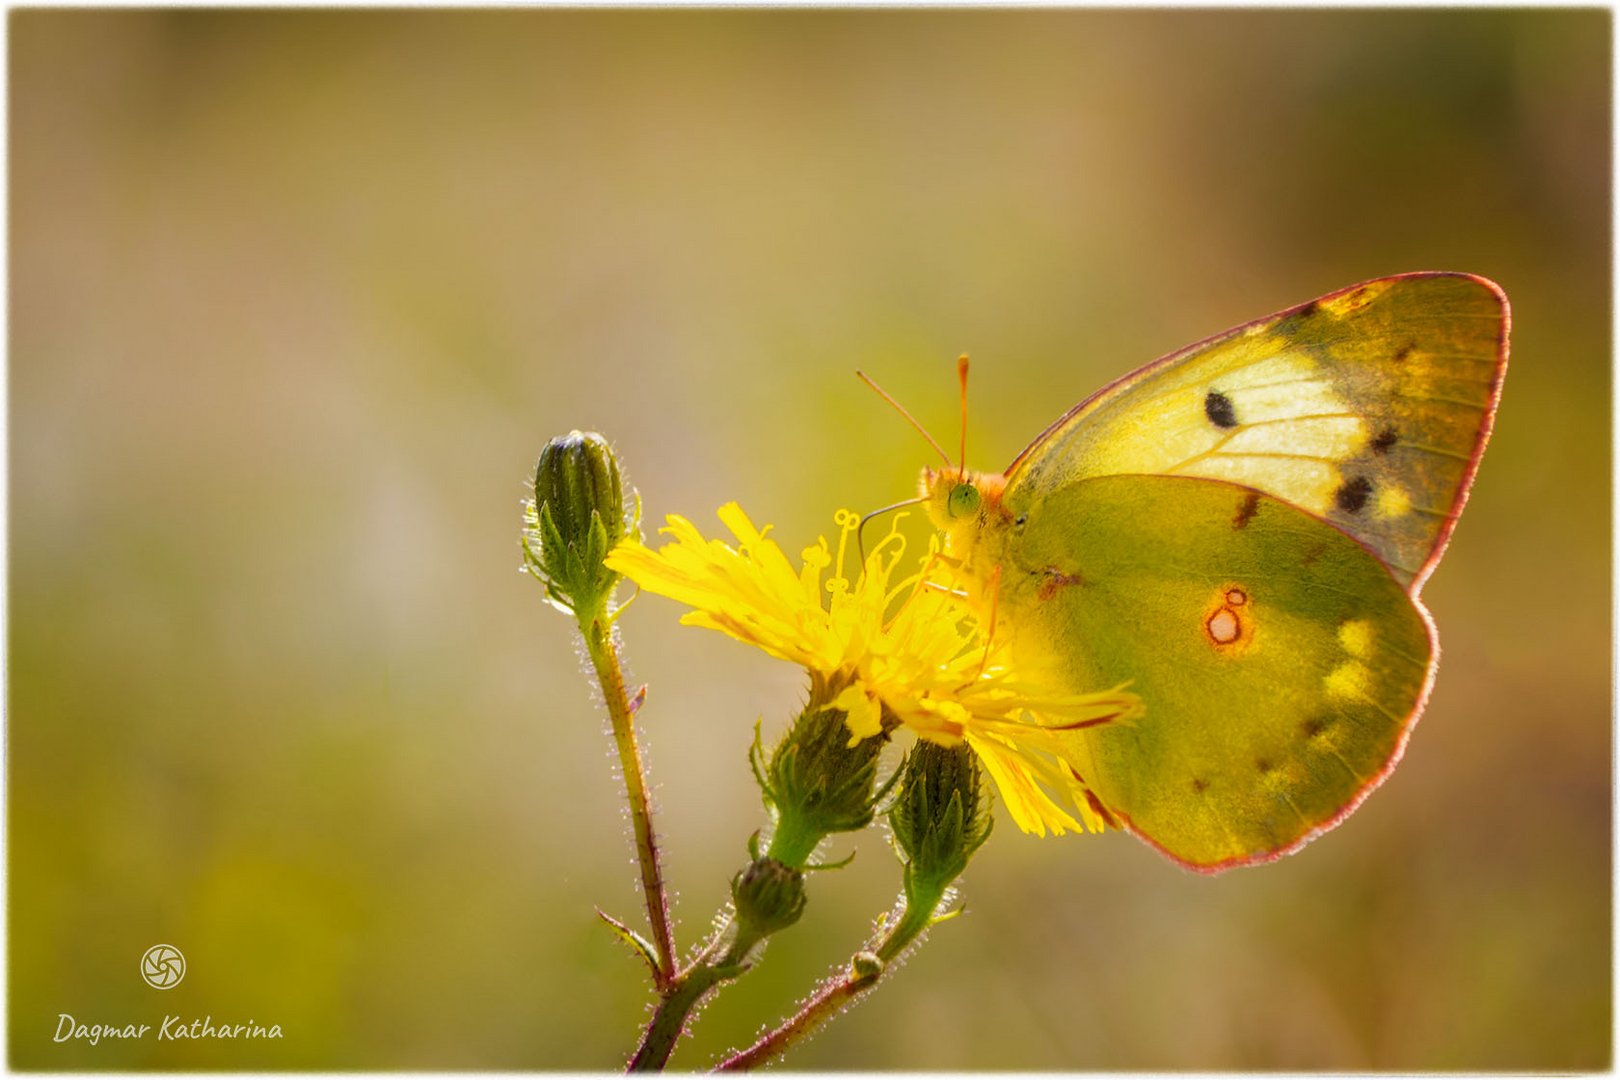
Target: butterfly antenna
point(901, 409)
point(860, 544)
point(961, 377)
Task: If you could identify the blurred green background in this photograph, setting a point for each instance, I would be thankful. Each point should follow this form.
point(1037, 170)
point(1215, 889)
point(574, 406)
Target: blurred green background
point(296, 297)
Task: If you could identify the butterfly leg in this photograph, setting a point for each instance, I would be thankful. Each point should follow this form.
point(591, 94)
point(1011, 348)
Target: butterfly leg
point(994, 588)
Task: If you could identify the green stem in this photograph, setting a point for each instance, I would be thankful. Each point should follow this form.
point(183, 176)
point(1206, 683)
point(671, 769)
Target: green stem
point(797, 833)
point(791, 843)
point(669, 1021)
point(605, 659)
point(745, 929)
point(858, 978)
point(912, 922)
point(677, 1002)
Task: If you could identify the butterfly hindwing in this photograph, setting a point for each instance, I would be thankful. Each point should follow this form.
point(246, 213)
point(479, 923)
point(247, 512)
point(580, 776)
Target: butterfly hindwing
point(1368, 407)
point(1280, 663)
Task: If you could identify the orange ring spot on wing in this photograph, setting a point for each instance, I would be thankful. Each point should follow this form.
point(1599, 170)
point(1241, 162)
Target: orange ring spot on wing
point(1227, 626)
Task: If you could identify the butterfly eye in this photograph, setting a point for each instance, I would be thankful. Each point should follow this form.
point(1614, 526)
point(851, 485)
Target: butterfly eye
point(964, 500)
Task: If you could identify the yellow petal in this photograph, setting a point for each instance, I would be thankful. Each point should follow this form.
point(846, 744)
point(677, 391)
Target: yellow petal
point(1031, 808)
point(862, 713)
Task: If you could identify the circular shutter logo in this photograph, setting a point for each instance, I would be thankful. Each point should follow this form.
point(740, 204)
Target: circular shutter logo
point(163, 967)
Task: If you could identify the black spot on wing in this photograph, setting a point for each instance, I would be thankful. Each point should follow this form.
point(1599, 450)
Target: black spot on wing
point(1218, 407)
point(1293, 322)
point(1384, 441)
point(1352, 494)
point(1246, 510)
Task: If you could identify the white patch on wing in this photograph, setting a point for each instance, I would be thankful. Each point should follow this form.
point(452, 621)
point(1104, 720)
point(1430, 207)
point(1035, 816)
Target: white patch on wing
point(1335, 437)
point(1304, 482)
point(1159, 433)
point(1282, 367)
point(1281, 401)
point(1292, 429)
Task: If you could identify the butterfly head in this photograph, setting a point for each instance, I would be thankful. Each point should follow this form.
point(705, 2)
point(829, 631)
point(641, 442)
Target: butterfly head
point(960, 502)
point(957, 499)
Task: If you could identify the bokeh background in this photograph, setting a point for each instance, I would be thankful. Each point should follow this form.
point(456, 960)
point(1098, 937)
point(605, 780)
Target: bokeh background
point(296, 297)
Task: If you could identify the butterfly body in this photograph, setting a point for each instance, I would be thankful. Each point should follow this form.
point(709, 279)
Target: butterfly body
point(1239, 531)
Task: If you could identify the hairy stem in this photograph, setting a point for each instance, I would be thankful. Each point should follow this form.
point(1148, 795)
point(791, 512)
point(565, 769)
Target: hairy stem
point(862, 974)
point(605, 658)
point(679, 998)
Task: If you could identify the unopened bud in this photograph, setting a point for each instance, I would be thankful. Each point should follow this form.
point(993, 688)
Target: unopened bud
point(941, 815)
point(768, 896)
point(579, 513)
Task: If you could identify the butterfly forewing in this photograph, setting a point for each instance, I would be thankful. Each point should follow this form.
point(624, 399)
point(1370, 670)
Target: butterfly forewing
point(1369, 408)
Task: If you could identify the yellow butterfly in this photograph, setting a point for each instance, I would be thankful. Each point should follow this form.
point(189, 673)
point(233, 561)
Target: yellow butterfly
point(1240, 531)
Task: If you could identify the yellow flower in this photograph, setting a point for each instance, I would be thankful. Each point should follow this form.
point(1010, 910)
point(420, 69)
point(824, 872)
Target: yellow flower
point(908, 647)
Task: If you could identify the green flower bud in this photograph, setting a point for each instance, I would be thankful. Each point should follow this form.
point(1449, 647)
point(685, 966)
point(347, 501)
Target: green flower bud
point(816, 783)
point(941, 815)
point(768, 896)
point(578, 514)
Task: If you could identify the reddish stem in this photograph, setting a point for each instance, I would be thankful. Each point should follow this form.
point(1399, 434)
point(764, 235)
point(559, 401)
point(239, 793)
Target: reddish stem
point(605, 658)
